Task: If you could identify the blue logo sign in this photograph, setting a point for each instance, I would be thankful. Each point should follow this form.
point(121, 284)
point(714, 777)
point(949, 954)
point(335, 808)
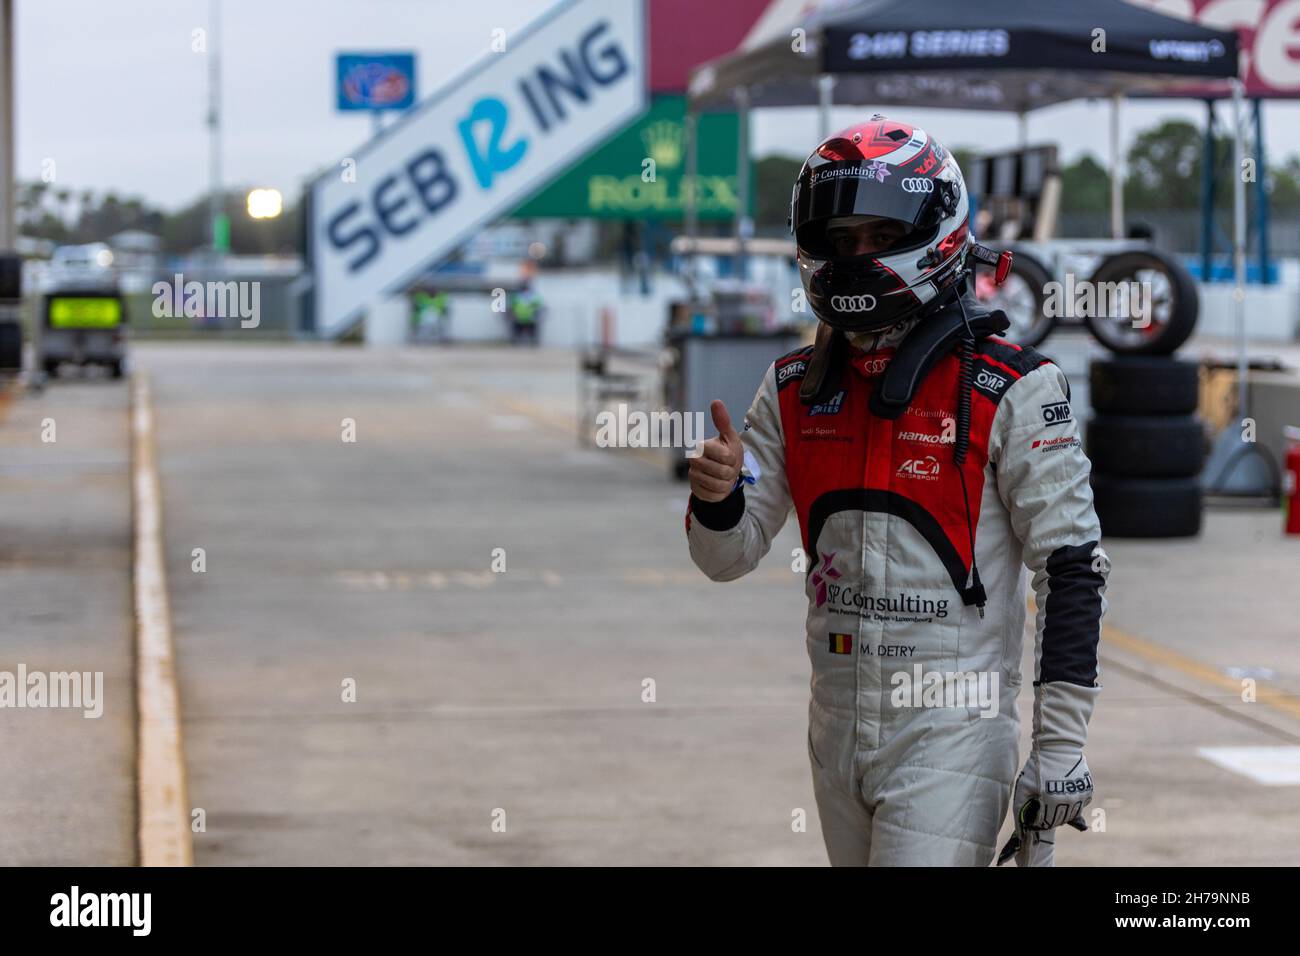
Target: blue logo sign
point(489, 158)
point(375, 81)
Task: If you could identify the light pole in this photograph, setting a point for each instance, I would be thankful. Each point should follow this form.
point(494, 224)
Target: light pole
point(220, 224)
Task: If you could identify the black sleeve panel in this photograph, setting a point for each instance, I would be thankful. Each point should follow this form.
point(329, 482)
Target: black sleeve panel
point(1072, 625)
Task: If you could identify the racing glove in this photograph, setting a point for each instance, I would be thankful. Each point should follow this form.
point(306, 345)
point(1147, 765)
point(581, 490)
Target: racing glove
point(1055, 785)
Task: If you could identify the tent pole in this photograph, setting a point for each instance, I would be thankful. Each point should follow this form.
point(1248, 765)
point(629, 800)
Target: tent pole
point(1116, 173)
point(825, 98)
point(690, 214)
point(1261, 195)
point(1239, 247)
point(1207, 194)
point(742, 179)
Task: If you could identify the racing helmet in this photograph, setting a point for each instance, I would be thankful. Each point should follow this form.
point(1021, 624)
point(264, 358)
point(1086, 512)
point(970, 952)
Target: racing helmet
point(880, 169)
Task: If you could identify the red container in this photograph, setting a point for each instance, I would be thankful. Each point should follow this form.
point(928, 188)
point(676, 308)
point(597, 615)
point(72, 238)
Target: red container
point(1291, 482)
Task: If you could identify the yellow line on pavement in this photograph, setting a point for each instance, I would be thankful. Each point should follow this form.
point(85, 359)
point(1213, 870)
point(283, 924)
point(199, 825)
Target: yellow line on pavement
point(1166, 657)
point(163, 814)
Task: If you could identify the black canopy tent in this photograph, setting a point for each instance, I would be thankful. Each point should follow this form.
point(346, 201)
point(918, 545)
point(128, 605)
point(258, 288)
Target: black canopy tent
point(1007, 55)
point(1003, 55)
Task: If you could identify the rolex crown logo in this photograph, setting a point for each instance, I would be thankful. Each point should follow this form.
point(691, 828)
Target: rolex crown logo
point(663, 143)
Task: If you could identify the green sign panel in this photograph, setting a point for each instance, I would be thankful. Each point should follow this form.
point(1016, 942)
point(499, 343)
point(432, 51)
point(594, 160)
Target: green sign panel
point(641, 172)
point(85, 312)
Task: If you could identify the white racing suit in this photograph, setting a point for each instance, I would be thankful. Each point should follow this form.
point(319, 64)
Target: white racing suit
point(902, 776)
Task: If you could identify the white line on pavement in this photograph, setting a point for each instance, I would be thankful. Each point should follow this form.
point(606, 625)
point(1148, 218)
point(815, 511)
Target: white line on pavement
point(163, 815)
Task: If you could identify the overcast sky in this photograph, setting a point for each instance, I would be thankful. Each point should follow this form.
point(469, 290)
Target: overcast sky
point(113, 93)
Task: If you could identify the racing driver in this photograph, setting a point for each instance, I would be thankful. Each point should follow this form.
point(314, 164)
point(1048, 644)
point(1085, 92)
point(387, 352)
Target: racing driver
point(928, 463)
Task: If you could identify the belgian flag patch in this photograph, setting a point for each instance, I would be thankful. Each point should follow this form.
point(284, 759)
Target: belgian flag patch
point(841, 643)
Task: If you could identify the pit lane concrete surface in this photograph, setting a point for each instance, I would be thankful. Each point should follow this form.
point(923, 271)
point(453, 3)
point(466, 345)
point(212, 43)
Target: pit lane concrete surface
point(357, 684)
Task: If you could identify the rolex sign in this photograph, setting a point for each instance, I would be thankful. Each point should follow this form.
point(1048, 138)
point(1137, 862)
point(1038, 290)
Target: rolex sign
point(641, 172)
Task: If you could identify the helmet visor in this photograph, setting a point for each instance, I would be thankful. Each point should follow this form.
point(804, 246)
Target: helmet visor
point(866, 189)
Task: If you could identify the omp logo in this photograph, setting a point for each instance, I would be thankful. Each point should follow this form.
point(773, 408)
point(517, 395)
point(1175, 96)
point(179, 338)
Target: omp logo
point(918, 184)
point(853, 303)
point(990, 380)
point(786, 372)
point(925, 438)
point(830, 407)
point(1057, 413)
point(927, 468)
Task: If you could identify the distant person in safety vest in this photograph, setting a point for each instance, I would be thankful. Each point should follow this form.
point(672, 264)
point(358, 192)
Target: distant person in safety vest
point(526, 312)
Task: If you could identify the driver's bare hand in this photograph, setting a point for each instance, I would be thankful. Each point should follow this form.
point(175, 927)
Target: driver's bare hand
point(713, 474)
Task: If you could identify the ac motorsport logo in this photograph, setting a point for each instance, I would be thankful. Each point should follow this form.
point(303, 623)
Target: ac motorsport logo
point(926, 469)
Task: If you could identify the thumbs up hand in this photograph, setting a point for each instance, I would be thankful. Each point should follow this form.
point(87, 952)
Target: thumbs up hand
point(713, 474)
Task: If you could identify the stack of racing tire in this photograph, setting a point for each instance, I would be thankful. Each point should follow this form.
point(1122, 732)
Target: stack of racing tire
point(1146, 445)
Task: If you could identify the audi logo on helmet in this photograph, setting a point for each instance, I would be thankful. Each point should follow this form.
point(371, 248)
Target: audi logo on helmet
point(853, 303)
point(918, 184)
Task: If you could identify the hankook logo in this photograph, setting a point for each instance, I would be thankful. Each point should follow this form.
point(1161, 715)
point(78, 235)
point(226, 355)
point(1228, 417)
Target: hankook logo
point(918, 184)
point(853, 303)
point(925, 438)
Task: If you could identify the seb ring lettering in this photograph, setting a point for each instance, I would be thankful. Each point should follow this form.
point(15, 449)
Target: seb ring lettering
point(853, 303)
point(918, 184)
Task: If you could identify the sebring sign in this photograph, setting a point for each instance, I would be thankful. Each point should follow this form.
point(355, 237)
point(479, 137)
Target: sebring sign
point(472, 153)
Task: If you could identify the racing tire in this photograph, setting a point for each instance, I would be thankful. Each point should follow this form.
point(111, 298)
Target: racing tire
point(1183, 304)
point(1147, 507)
point(1141, 446)
point(1035, 276)
point(115, 368)
point(1144, 385)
